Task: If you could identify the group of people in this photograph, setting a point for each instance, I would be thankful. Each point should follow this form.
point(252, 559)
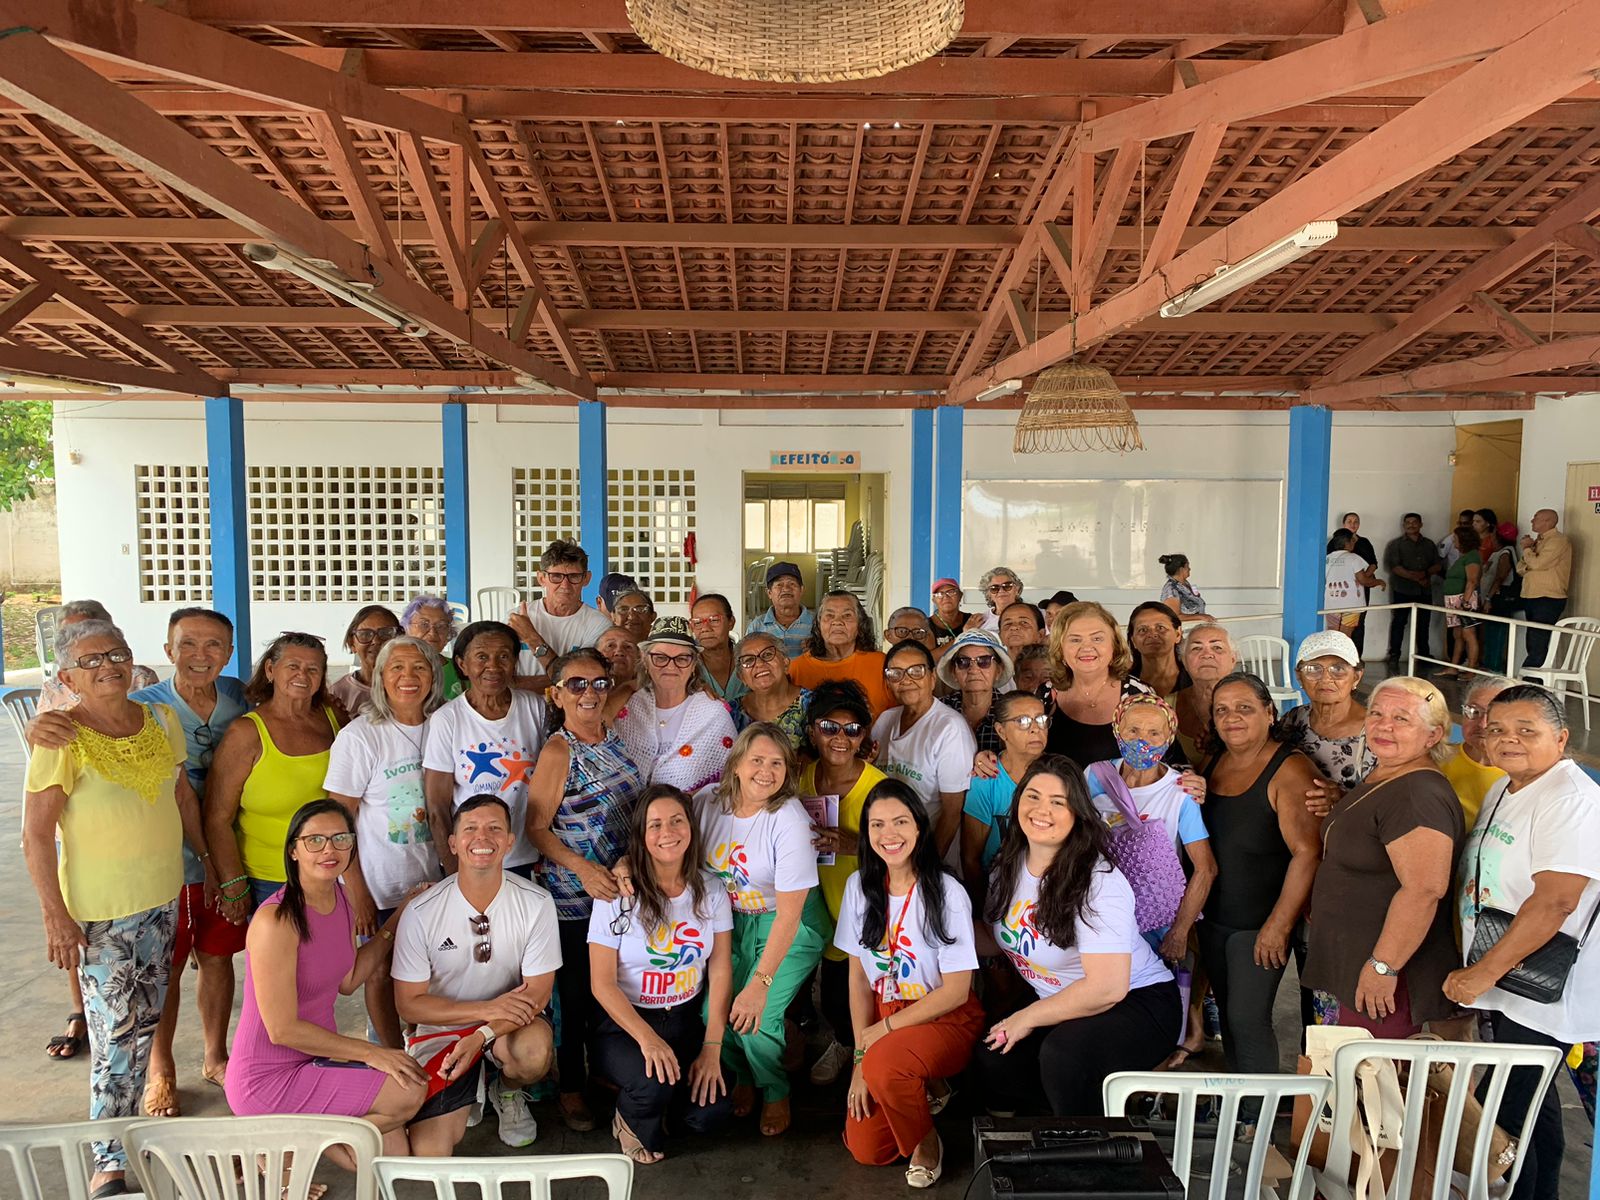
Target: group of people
point(586, 846)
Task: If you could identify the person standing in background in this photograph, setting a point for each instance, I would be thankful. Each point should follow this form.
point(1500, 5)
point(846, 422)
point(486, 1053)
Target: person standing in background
point(1412, 562)
point(1361, 546)
point(1546, 570)
point(788, 620)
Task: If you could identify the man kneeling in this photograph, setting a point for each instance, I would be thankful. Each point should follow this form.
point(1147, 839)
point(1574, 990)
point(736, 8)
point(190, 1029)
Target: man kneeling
point(474, 963)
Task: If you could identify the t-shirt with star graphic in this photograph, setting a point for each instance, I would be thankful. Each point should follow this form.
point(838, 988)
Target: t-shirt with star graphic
point(491, 758)
point(917, 962)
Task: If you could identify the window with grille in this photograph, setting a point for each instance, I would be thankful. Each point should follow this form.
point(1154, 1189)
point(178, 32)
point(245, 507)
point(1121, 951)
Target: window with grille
point(651, 512)
point(174, 507)
point(794, 518)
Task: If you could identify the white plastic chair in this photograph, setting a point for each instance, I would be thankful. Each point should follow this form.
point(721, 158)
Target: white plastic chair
point(45, 623)
point(495, 602)
point(492, 1175)
point(1566, 663)
point(28, 1147)
point(22, 704)
point(202, 1158)
point(1465, 1057)
point(1267, 657)
point(461, 612)
point(1273, 1091)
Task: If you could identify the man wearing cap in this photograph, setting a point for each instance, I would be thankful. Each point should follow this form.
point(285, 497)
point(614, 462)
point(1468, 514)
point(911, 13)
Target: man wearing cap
point(947, 619)
point(788, 619)
point(611, 586)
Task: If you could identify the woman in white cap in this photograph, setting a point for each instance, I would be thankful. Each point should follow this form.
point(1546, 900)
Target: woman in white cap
point(1329, 730)
point(976, 669)
point(674, 729)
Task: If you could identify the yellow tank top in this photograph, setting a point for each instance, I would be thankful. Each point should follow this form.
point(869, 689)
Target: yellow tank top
point(278, 786)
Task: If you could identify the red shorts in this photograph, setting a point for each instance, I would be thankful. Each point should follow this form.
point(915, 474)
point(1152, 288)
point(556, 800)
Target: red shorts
point(203, 929)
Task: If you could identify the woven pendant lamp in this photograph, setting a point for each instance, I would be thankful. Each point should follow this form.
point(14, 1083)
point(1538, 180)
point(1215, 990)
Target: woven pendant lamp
point(797, 41)
point(1076, 406)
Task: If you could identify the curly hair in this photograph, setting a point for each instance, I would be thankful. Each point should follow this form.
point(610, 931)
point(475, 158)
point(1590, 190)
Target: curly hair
point(866, 636)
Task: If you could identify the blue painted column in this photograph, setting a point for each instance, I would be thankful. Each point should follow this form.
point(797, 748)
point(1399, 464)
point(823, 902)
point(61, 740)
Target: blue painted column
point(593, 489)
point(1306, 534)
point(921, 506)
point(230, 524)
point(457, 505)
point(949, 422)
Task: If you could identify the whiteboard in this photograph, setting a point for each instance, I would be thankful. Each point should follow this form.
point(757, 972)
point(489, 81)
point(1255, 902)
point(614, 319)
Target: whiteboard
point(1106, 534)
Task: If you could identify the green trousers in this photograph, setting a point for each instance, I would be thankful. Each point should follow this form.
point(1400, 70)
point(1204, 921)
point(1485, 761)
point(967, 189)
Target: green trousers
point(757, 1057)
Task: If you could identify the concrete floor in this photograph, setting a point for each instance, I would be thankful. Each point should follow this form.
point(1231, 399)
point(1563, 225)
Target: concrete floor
point(808, 1161)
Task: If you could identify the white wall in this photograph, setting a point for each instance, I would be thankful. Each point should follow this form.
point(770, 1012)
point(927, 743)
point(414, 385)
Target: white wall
point(29, 550)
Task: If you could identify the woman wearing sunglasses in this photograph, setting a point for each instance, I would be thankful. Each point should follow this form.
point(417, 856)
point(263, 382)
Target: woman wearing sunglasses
point(369, 629)
point(977, 669)
point(652, 957)
point(926, 744)
point(772, 697)
point(675, 730)
point(1020, 720)
point(580, 800)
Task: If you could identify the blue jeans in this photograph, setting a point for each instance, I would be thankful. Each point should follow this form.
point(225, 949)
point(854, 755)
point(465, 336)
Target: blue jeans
point(262, 890)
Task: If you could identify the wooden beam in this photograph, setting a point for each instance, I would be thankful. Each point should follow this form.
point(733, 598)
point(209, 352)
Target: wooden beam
point(1548, 356)
point(1107, 216)
point(1023, 322)
point(28, 360)
point(1505, 323)
point(1198, 156)
point(1585, 239)
point(349, 171)
point(419, 168)
point(22, 306)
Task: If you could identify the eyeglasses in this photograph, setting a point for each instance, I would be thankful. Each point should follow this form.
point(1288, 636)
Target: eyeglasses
point(570, 578)
point(1472, 712)
point(1027, 721)
point(902, 632)
point(1334, 671)
point(632, 610)
point(482, 950)
point(316, 842)
point(579, 686)
point(832, 728)
point(895, 674)
point(623, 921)
point(707, 622)
point(670, 660)
point(1002, 587)
point(769, 655)
point(205, 737)
point(423, 626)
point(90, 662)
point(384, 633)
point(948, 591)
point(974, 662)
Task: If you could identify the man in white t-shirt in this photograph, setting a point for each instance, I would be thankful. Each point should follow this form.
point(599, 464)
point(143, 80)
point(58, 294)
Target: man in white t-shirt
point(475, 958)
point(559, 621)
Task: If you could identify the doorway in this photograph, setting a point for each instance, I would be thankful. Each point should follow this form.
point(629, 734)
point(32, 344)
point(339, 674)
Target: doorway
point(1488, 468)
point(830, 525)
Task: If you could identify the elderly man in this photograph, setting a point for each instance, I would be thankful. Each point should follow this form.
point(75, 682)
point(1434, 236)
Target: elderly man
point(1546, 570)
point(559, 620)
point(1413, 563)
point(788, 619)
point(908, 625)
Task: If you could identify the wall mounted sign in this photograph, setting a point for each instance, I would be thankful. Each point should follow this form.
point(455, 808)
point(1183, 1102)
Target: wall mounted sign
point(816, 460)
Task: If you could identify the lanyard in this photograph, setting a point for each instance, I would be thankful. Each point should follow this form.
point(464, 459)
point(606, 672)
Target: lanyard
point(890, 978)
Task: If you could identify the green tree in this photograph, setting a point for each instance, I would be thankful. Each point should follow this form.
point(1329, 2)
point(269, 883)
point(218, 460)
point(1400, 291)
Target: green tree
point(26, 455)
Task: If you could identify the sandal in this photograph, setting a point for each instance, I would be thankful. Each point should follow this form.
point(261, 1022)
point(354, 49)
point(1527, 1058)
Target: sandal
point(161, 1097)
point(631, 1145)
point(575, 1113)
point(67, 1045)
point(111, 1187)
point(1176, 1059)
point(939, 1101)
point(919, 1176)
point(775, 1117)
point(744, 1100)
point(216, 1076)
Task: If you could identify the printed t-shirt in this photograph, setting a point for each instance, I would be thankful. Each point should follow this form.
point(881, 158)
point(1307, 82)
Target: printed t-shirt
point(490, 757)
point(1105, 926)
point(909, 962)
point(1162, 800)
point(561, 634)
point(435, 943)
point(665, 966)
point(759, 856)
point(381, 765)
point(833, 879)
point(863, 666)
point(1341, 589)
point(935, 755)
point(989, 801)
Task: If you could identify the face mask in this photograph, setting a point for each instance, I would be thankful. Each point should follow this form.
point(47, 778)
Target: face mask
point(1140, 755)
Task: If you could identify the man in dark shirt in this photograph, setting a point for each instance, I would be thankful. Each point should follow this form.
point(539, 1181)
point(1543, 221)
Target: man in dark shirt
point(1362, 547)
point(1412, 561)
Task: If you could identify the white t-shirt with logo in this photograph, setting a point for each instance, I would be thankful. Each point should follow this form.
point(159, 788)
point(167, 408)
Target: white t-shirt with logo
point(561, 634)
point(916, 962)
point(1105, 926)
point(382, 766)
point(491, 758)
point(435, 943)
point(757, 857)
point(1552, 824)
point(935, 755)
point(1341, 589)
point(665, 966)
point(1164, 800)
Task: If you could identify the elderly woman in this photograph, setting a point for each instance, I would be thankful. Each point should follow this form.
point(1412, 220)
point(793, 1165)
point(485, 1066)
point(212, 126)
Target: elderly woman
point(674, 729)
point(711, 621)
point(1469, 770)
point(1177, 593)
point(1530, 870)
point(1021, 625)
point(375, 772)
point(1154, 632)
point(924, 742)
point(976, 668)
point(123, 807)
point(947, 618)
point(430, 619)
point(369, 629)
point(270, 764)
point(1032, 665)
point(1092, 672)
point(1461, 597)
point(1382, 939)
point(1208, 655)
point(1331, 730)
point(1001, 587)
point(621, 650)
point(635, 612)
point(843, 646)
point(769, 695)
point(485, 741)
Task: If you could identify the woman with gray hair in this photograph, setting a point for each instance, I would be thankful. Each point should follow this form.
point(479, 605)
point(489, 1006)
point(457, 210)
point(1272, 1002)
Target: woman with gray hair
point(431, 619)
point(675, 730)
point(770, 696)
point(1209, 655)
point(1001, 588)
point(123, 806)
point(375, 772)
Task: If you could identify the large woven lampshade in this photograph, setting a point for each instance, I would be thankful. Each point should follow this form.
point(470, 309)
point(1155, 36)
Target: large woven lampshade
point(797, 41)
point(1076, 406)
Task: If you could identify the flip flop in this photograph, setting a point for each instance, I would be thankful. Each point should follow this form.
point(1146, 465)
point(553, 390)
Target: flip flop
point(67, 1045)
point(112, 1187)
point(161, 1097)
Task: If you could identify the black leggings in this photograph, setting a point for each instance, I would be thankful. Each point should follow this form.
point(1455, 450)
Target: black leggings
point(1542, 1152)
point(1065, 1066)
point(644, 1102)
point(578, 1010)
point(835, 988)
point(1245, 994)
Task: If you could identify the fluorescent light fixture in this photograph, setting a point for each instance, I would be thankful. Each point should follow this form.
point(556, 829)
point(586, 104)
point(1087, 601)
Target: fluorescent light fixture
point(324, 276)
point(995, 391)
point(58, 383)
point(1230, 278)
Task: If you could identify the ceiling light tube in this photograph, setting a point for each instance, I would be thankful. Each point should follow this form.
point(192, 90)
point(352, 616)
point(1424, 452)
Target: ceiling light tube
point(325, 278)
point(1229, 278)
point(995, 391)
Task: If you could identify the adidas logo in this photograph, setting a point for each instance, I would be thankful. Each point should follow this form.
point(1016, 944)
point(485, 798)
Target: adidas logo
point(447, 944)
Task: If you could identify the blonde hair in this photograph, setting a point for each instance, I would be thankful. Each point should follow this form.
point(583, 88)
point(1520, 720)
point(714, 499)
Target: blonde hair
point(1121, 656)
point(1434, 710)
point(728, 790)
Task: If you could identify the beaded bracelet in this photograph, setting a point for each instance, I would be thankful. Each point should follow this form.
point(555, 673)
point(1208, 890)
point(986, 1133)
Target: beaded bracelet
point(228, 883)
point(859, 1054)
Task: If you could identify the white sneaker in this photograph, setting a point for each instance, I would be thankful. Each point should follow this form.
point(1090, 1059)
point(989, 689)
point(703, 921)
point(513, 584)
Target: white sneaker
point(832, 1064)
point(517, 1124)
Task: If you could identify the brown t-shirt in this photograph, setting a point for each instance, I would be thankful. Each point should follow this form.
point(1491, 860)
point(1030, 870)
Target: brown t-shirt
point(1356, 883)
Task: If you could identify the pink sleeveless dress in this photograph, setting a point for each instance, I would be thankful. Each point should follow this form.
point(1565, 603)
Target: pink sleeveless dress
point(265, 1078)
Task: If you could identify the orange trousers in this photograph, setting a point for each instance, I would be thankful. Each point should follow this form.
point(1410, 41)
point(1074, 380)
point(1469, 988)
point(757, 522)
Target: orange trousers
point(897, 1070)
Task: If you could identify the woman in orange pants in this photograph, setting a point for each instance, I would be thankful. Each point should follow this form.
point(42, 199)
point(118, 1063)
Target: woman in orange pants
point(907, 926)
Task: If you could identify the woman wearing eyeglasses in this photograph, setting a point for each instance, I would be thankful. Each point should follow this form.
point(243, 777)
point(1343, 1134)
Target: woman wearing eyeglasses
point(430, 619)
point(1020, 720)
point(652, 956)
point(1001, 587)
point(925, 743)
point(580, 801)
point(674, 729)
point(976, 668)
point(771, 697)
point(1329, 730)
point(369, 629)
point(300, 957)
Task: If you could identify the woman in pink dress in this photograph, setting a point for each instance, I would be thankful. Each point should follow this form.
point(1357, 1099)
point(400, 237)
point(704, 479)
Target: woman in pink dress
point(300, 956)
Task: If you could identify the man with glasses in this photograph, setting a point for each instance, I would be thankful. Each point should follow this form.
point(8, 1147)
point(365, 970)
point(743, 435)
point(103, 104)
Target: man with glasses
point(788, 619)
point(475, 958)
point(908, 625)
point(559, 620)
point(1001, 587)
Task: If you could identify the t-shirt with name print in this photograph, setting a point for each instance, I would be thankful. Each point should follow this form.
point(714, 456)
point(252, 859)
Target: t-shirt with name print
point(381, 765)
point(665, 966)
point(1106, 925)
point(435, 943)
point(909, 962)
point(759, 856)
point(491, 758)
point(934, 756)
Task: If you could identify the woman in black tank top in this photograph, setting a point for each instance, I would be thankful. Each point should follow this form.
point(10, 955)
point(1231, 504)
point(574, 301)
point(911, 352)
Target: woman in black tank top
point(1267, 849)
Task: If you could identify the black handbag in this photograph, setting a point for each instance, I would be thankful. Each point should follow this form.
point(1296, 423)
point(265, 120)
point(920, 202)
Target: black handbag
point(1542, 975)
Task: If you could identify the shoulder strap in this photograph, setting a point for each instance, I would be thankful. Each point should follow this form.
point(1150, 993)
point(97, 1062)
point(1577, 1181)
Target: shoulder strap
point(1117, 788)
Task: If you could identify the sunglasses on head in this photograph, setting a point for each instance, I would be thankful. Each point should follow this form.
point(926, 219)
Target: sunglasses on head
point(832, 728)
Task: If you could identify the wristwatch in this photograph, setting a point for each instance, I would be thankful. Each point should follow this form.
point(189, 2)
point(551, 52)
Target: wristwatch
point(1382, 968)
point(541, 651)
point(486, 1032)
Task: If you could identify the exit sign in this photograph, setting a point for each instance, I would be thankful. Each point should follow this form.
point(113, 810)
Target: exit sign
point(1594, 493)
